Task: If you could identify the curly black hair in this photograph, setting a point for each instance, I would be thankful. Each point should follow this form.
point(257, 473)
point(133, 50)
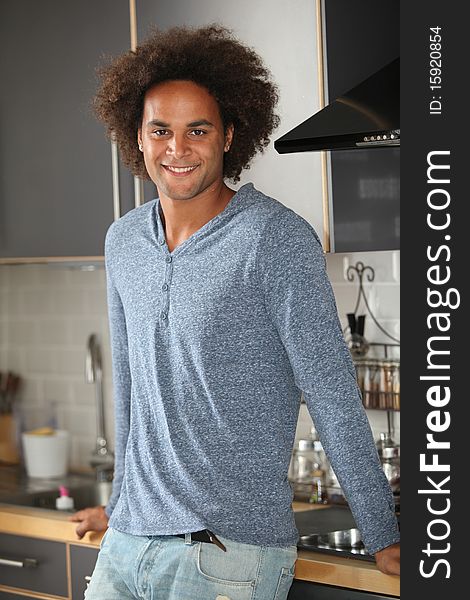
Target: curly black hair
point(209, 56)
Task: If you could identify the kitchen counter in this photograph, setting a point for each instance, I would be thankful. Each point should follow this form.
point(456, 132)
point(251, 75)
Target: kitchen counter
point(310, 566)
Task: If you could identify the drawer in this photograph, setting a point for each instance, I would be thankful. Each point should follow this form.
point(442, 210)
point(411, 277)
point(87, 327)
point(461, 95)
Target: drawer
point(47, 572)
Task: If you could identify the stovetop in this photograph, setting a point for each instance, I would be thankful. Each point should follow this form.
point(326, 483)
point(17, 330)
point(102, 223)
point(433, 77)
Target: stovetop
point(314, 524)
point(319, 543)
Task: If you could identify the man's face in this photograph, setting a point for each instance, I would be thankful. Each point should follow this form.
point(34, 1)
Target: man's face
point(183, 139)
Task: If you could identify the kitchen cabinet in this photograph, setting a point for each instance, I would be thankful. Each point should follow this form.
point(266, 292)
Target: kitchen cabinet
point(363, 185)
point(45, 570)
point(56, 197)
point(82, 563)
point(48, 575)
point(305, 590)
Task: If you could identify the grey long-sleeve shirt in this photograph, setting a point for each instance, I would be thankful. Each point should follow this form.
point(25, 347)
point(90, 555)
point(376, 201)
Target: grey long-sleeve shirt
point(211, 347)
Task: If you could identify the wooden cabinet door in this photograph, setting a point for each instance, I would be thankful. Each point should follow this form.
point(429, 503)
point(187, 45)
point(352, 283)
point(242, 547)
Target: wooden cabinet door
point(55, 161)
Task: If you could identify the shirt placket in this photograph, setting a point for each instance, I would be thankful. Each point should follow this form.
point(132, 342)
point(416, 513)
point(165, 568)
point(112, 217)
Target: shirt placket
point(166, 285)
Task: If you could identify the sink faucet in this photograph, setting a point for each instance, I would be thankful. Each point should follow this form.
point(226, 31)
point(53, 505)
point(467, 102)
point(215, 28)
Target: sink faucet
point(102, 459)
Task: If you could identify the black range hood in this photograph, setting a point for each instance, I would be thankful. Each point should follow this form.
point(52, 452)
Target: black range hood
point(368, 116)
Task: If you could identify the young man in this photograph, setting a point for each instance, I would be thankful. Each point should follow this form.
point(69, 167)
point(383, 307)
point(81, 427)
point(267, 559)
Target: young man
point(220, 314)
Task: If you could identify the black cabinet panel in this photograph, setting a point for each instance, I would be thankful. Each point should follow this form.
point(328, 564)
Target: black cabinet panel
point(366, 199)
point(364, 184)
point(50, 574)
point(362, 36)
point(55, 162)
point(304, 590)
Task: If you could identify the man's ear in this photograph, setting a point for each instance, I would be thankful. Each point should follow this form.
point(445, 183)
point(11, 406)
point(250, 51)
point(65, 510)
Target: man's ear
point(139, 139)
point(228, 137)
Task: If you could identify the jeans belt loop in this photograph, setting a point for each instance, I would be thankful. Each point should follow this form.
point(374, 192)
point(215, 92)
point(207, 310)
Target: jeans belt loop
point(187, 538)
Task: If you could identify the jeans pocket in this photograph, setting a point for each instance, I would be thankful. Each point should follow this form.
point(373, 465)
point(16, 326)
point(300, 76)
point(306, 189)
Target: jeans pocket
point(232, 568)
point(284, 583)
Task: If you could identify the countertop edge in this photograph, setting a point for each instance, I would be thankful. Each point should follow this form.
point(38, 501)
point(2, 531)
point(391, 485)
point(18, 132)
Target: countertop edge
point(344, 572)
point(310, 566)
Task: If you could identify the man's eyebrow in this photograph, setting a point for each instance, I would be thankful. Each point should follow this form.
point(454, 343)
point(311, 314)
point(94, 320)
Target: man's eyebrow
point(158, 123)
point(201, 122)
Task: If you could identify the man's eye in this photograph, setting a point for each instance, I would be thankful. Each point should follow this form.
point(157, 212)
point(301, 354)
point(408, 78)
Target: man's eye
point(198, 132)
point(160, 132)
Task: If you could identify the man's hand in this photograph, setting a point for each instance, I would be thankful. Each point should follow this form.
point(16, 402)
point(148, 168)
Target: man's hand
point(388, 560)
point(91, 519)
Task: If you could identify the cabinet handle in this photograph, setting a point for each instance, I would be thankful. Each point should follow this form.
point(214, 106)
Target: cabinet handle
point(21, 564)
point(115, 178)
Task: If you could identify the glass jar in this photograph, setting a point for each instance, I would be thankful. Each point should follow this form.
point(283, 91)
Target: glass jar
point(302, 461)
point(364, 371)
point(389, 453)
point(374, 384)
point(395, 384)
point(386, 384)
point(307, 473)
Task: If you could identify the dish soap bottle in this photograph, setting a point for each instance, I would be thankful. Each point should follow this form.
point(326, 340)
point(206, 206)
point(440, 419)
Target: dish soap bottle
point(64, 501)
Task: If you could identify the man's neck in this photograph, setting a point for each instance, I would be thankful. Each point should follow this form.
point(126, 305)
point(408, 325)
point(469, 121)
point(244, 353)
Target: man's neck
point(182, 218)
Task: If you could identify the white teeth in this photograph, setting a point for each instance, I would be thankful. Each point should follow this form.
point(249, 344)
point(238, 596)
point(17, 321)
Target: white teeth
point(180, 169)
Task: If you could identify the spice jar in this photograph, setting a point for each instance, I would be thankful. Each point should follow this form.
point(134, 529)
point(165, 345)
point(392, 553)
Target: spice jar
point(389, 384)
point(384, 384)
point(395, 384)
point(374, 383)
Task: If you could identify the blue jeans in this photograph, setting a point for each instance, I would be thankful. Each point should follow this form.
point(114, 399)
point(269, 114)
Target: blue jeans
point(166, 567)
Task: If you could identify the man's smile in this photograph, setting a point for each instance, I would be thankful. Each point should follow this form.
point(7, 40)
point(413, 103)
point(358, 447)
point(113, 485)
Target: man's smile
point(180, 171)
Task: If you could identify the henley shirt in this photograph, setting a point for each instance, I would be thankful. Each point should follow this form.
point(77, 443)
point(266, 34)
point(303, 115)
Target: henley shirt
point(212, 345)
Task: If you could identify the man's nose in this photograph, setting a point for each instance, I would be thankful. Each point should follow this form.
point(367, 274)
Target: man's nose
point(178, 146)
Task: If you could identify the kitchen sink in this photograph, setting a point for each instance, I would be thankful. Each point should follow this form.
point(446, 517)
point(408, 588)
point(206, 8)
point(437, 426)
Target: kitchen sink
point(85, 495)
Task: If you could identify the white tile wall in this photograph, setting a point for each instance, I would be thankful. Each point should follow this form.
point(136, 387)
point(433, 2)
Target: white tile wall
point(48, 312)
point(383, 297)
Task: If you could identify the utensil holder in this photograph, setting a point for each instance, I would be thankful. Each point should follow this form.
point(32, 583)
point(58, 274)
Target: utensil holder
point(8, 440)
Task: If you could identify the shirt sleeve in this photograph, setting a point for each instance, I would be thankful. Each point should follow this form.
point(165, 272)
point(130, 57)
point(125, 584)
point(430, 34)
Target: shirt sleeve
point(121, 374)
point(301, 304)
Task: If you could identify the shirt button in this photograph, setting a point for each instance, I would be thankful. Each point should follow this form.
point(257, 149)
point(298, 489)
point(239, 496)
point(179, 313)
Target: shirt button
point(165, 287)
point(162, 242)
point(168, 259)
point(163, 315)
